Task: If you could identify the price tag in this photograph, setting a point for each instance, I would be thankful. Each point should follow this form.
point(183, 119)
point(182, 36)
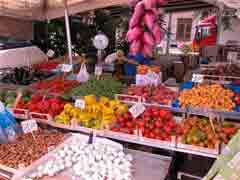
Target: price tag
point(98, 70)
point(50, 53)
point(141, 80)
point(232, 56)
point(153, 78)
point(67, 67)
point(198, 78)
point(80, 103)
point(29, 126)
point(137, 110)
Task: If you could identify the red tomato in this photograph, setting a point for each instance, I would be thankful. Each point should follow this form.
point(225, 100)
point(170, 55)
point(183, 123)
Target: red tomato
point(158, 124)
point(152, 135)
point(151, 126)
point(121, 120)
point(127, 116)
point(157, 131)
point(162, 113)
point(115, 129)
point(129, 124)
point(141, 124)
point(147, 119)
point(122, 124)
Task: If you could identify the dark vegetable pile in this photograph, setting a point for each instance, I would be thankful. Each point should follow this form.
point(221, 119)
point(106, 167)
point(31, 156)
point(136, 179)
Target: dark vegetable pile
point(25, 76)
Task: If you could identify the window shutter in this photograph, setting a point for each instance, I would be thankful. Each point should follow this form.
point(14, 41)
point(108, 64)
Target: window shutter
point(184, 29)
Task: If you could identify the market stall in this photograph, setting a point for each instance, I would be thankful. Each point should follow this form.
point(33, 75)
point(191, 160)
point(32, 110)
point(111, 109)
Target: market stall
point(197, 118)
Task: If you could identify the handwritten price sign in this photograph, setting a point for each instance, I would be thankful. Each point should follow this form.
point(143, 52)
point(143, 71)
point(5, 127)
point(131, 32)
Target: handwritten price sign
point(29, 126)
point(137, 109)
point(80, 103)
point(197, 78)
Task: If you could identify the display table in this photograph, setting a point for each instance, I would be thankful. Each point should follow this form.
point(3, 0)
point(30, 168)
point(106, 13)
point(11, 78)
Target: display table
point(21, 57)
point(146, 166)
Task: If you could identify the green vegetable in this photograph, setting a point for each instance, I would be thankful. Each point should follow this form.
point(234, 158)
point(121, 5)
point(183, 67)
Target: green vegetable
point(105, 87)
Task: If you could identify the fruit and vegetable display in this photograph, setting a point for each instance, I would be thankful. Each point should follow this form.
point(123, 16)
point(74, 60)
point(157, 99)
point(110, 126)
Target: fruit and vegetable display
point(207, 96)
point(25, 76)
point(96, 161)
point(223, 70)
point(153, 94)
point(42, 104)
point(199, 132)
point(143, 69)
point(228, 130)
point(145, 26)
point(57, 85)
point(47, 66)
point(26, 149)
point(154, 123)
point(107, 87)
point(25, 98)
point(8, 97)
point(96, 114)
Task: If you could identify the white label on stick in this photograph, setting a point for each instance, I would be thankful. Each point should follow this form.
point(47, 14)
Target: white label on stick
point(137, 109)
point(29, 126)
point(50, 53)
point(80, 103)
point(232, 56)
point(67, 67)
point(197, 78)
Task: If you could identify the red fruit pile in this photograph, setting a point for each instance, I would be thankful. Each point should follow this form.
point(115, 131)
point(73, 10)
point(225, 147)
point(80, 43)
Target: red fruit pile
point(154, 123)
point(228, 130)
point(56, 86)
point(125, 123)
point(47, 66)
point(45, 105)
point(159, 94)
point(21, 105)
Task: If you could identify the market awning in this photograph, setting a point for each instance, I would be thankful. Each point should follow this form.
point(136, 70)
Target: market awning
point(86, 5)
point(32, 9)
point(185, 5)
point(50, 9)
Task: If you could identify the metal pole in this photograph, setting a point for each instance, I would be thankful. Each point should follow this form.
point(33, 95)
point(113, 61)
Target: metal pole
point(68, 34)
point(169, 28)
point(219, 23)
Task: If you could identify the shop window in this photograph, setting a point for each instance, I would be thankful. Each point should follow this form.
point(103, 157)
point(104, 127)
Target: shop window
point(184, 29)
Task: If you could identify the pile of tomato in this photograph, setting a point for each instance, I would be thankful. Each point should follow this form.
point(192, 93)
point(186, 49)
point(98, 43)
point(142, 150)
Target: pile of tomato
point(55, 86)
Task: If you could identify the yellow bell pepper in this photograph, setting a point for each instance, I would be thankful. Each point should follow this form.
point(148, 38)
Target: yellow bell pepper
point(103, 100)
point(91, 99)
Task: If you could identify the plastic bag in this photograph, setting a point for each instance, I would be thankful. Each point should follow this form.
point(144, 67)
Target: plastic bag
point(83, 75)
point(8, 125)
point(3, 137)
